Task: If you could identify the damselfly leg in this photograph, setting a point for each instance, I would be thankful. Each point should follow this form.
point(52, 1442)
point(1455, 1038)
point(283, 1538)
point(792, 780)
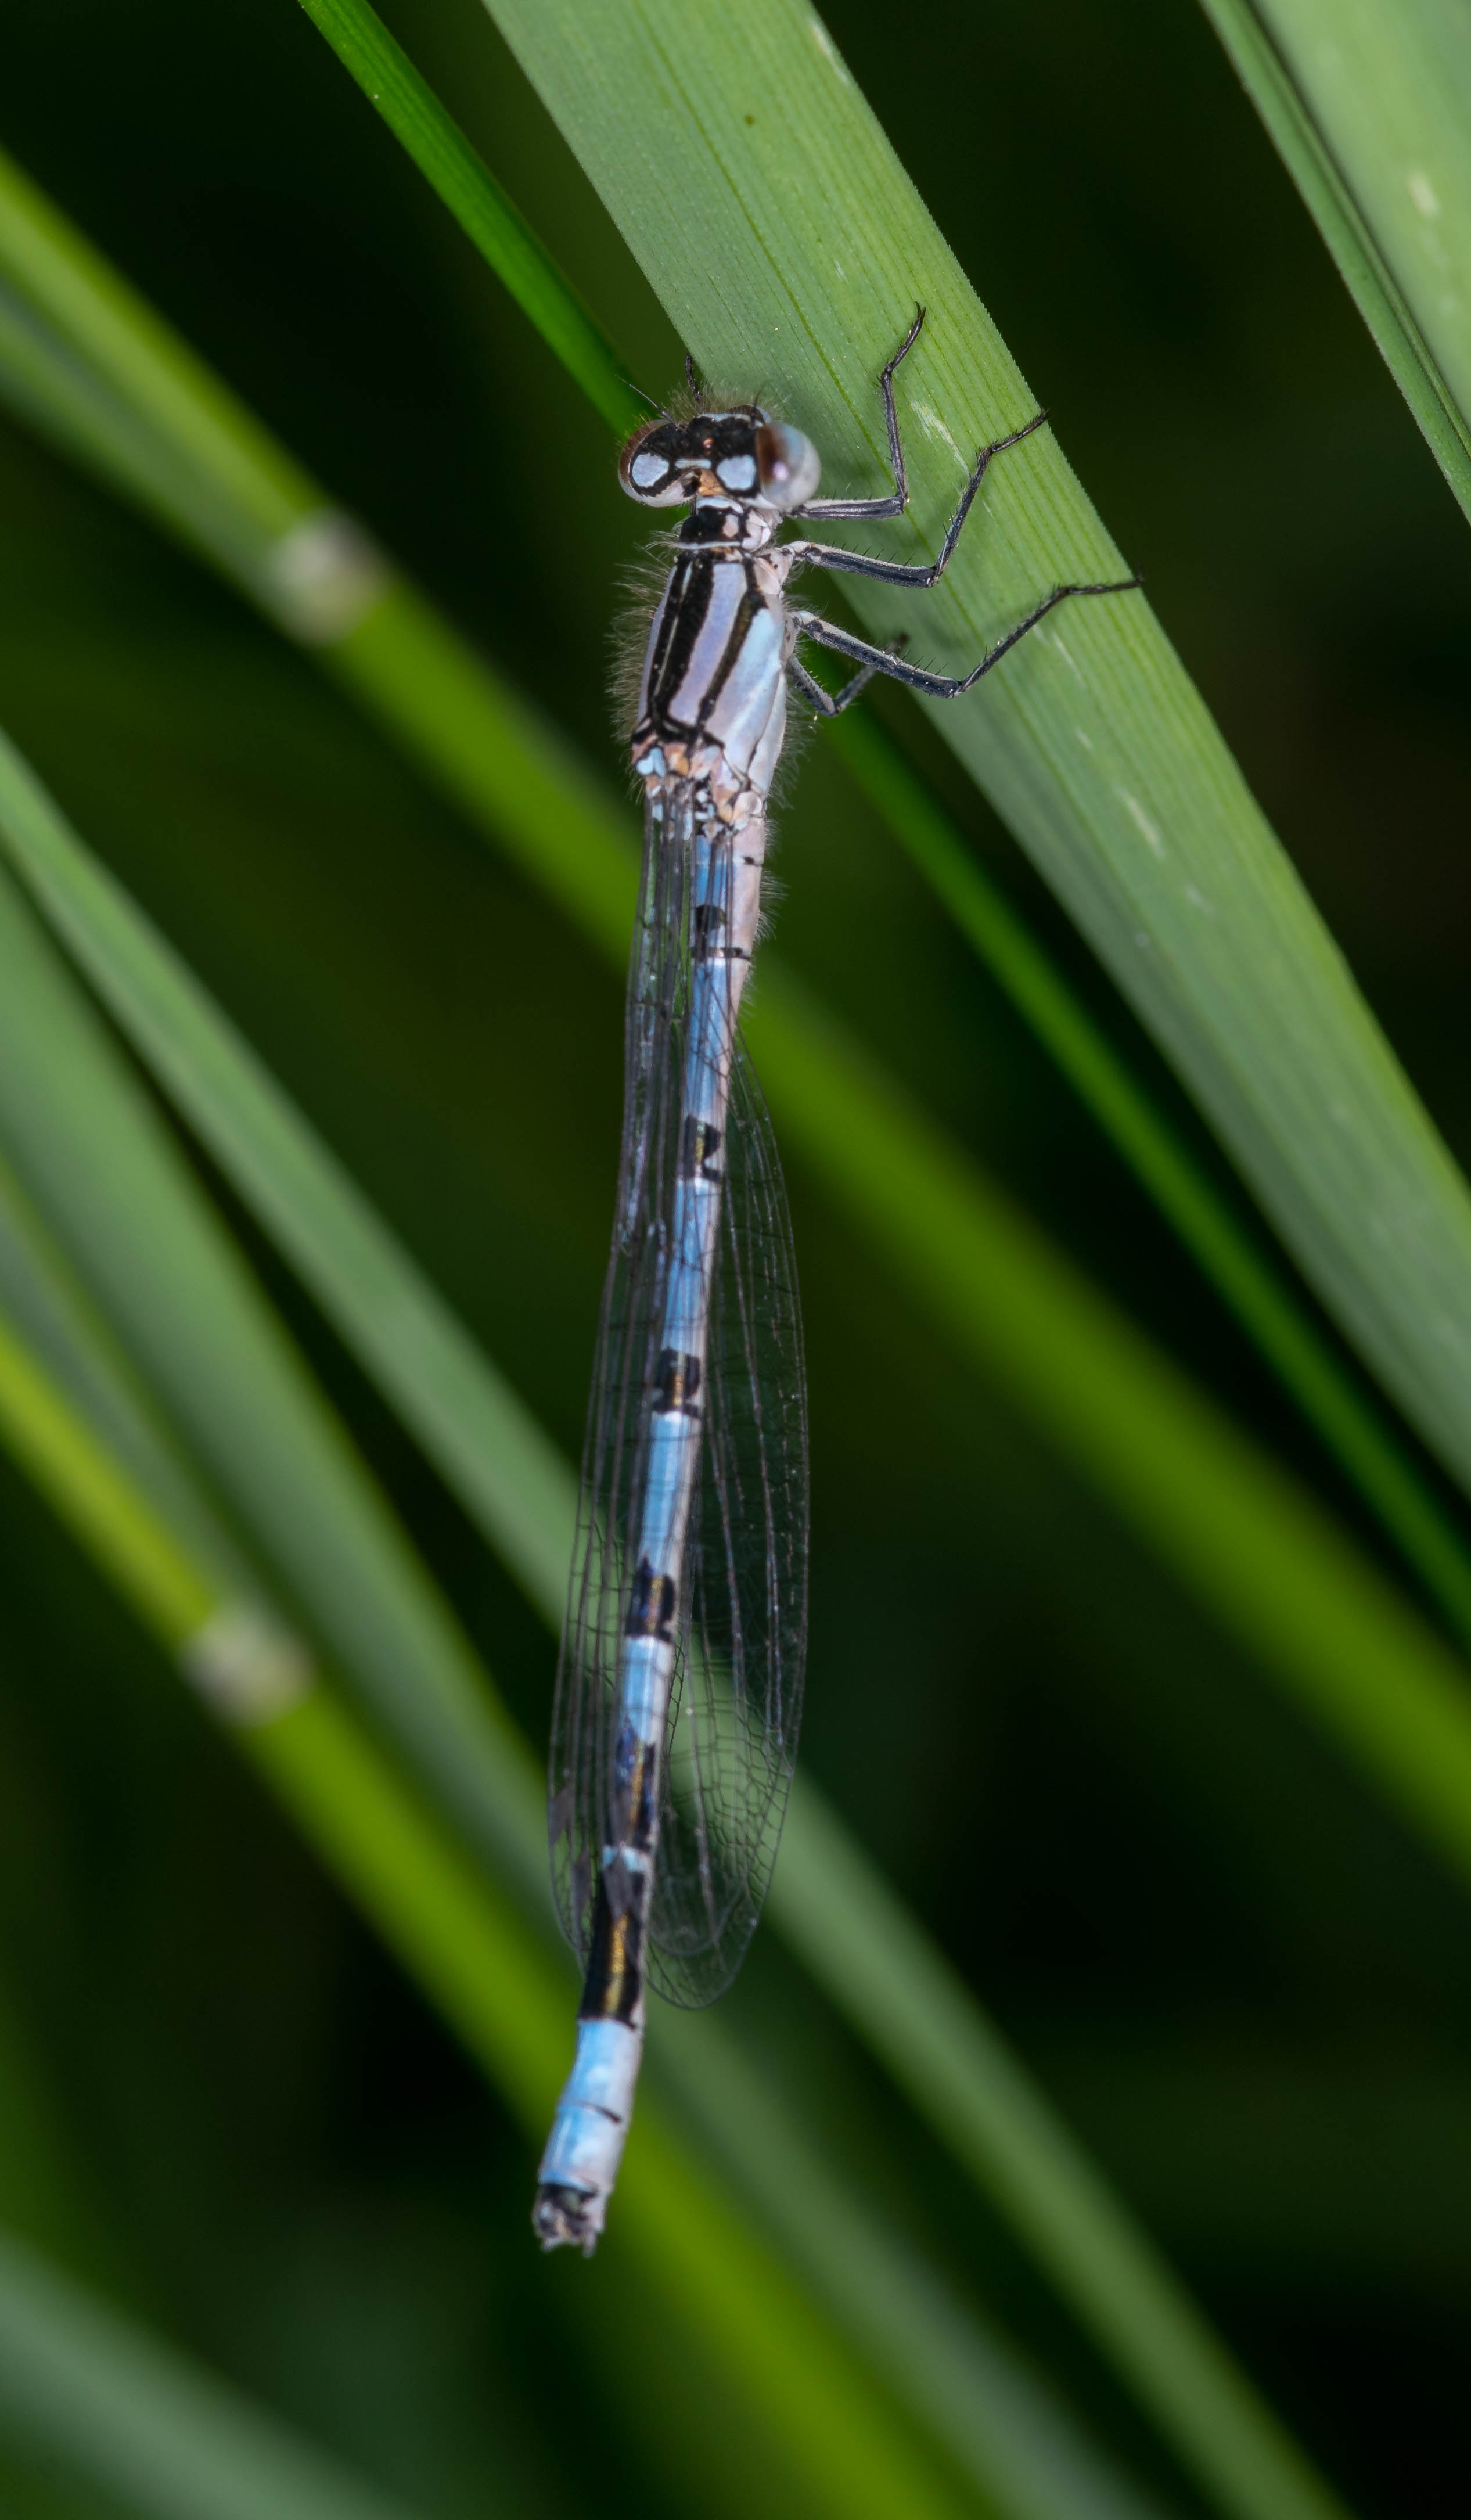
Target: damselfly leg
point(875, 659)
point(886, 661)
point(859, 510)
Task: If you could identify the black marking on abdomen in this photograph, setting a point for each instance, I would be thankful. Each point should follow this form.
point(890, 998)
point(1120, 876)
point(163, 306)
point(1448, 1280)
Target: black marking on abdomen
point(675, 1383)
point(614, 1977)
point(700, 1145)
point(651, 1612)
point(708, 920)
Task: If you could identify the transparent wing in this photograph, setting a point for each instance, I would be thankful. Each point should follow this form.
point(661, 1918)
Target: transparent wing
point(732, 1732)
point(614, 1462)
point(735, 1707)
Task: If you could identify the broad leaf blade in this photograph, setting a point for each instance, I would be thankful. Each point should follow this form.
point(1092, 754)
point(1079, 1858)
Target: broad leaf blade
point(789, 247)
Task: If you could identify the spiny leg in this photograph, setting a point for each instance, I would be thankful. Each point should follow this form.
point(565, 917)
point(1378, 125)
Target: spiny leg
point(833, 704)
point(940, 687)
point(899, 497)
point(898, 572)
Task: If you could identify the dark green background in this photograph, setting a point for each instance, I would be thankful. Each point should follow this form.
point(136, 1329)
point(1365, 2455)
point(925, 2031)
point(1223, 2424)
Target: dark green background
point(1247, 1987)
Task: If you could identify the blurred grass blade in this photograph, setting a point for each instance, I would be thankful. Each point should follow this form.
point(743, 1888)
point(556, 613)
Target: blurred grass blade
point(999, 1288)
point(167, 1560)
point(49, 2195)
point(163, 1580)
point(509, 2001)
point(500, 1986)
point(490, 751)
point(91, 1448)
point(60, 392)
point(50, 1312)
point(1007, 2431)
point(1225, 1249)
point(1229, 1254)
point(1269, 1564)
point(940, 2048)
point(464, 1415)
point(466, 184)
point(1368, 103)
point(104, 2403)
point(1275, 1570)
point(786, 241)
point(510, 769)
point(96, 1163)
point(146, 365)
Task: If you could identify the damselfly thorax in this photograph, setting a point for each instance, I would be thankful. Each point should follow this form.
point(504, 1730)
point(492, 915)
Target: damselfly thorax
point(712, 700)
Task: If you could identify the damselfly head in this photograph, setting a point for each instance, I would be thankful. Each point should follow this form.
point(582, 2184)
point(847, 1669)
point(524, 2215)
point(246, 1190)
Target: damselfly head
point(740, 454)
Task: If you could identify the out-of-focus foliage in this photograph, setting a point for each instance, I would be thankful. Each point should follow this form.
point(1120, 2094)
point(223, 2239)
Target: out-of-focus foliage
point(1367, 103)
point(1251, 1991)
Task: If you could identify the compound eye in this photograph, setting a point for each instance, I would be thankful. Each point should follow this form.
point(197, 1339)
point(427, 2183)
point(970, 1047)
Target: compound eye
point(646, 468)
point(788, 465)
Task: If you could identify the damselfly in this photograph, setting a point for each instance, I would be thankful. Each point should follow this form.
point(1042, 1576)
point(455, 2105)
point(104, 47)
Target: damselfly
point(679, 1690)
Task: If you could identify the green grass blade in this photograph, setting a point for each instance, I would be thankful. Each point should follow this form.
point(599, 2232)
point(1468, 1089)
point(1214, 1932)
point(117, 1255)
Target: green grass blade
point(106, 2404)
point(60, 392)
point(786, 243)
point(997, 1292)
point(462, 1411)
point(1369, 103)
point(1222, 1246)
point(50, 1313)
point(502, 1989)
point(510, 2005)
point(447, 727)
point(1009, 2434)
point(1296, 83)
point(939, 2046)
point(458, 720)
point(145, 364)
point(162, 1550)
point(1269, 1564)
point(120, 1526)
point(1276, 1572)
point(486, 212)
point(1268, 1561)
point(95, 1164)
point(1228, 1253)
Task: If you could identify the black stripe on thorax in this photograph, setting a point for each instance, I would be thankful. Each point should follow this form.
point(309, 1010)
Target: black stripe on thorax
point(691, 587)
